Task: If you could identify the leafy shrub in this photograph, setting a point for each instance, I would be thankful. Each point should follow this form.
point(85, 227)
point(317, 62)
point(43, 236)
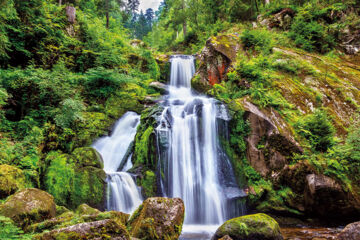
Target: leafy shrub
point(309, 34)
point(9, 231)
point(102, 83)
point(257, 40)
point(318, 130)
point(70, 112)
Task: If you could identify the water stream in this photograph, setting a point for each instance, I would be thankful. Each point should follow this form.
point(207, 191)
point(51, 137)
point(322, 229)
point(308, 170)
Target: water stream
point(192, 163)
point(122, 193)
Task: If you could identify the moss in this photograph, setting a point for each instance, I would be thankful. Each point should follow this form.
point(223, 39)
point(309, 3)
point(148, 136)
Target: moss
point(85, 209)
point(29, 206)
point(87, 156)
point(11, 180)
point(143, 146)
point(89, 185)
point(158, 218)
point(149, 184)
point(256, 226)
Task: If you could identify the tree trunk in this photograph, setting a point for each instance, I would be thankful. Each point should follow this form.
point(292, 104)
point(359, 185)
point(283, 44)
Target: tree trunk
point(267, 2)
point(60, 2)
point(184, 28)
point(107, 14)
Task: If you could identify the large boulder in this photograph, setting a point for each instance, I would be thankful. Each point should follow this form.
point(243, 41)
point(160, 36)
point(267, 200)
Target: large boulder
point(103, 229)
point(158, 218)
point(350, 232)
point(271, 143)
point(324, 197)
point(11, 180)
point(29, 206)
point(87, 157)
point(251, 227)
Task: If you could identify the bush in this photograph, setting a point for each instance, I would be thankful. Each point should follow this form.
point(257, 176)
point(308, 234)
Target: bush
point(70, 113)
point(318, 130)
point(257, 40)
point(309, 34)
point(8, 230)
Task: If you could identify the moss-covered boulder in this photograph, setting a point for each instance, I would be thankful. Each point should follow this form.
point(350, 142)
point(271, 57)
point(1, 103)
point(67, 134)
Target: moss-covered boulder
point(11, 180)
point(251, 227)
point(89, 187)
point(158, 218)
point(29, 206)
point(85, 209)
point(103, 229)
point(87, 157)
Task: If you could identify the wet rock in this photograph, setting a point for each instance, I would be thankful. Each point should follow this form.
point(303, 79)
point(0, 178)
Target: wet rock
point(104, 229)
point(161, 87)
point(158, 218)
point(324, 197)
point(350, 232)
point(11, 180)
point(226, 238)
point(29, 206)
point(251, 227)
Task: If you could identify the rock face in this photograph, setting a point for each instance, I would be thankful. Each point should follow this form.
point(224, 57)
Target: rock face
point(29, 206)
point(325, 197)
point(11, 180)
point(158, 218)
point(161, 87)
point(280, 19)
point(350, 232)
point(251, 227)
point(215, 60)
point(267, 148)
point(71, 14)
point(104, 229)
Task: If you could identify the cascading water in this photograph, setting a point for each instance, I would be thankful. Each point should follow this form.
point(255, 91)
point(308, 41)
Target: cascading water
point(193, 165)
point(122, 193)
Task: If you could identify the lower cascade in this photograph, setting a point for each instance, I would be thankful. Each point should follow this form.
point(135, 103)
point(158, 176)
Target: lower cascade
point(122, 193)
point(192, 164)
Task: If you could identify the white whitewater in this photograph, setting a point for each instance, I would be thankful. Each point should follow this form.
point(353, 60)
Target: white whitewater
point(122, 193)
point(192, 164)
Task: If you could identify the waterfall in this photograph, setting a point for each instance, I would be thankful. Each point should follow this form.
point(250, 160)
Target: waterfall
point(192, 163)
point(122, 193)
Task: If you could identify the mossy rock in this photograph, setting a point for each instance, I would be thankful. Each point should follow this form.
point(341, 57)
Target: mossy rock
point(158, 218)
point(87, 157)
point(11, 180)
point(29, 206)
point(104, 229)
point(89, 187)
point(85, 209)
point(251, 227)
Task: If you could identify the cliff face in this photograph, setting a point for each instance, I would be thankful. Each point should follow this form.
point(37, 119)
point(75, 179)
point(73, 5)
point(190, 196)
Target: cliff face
point(297, 83)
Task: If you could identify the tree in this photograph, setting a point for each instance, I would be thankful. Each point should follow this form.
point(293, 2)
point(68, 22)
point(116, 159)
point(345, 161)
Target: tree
point(133, 6)
point(149, 15)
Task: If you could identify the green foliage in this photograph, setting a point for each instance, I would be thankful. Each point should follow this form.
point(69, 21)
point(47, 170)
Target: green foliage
point(309, 34)
point(318, 130)
point(258, 40)
point(70, 112)
point(9, 231)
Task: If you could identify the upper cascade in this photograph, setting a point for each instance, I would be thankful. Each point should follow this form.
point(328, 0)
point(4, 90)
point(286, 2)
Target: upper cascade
point(193, 165)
